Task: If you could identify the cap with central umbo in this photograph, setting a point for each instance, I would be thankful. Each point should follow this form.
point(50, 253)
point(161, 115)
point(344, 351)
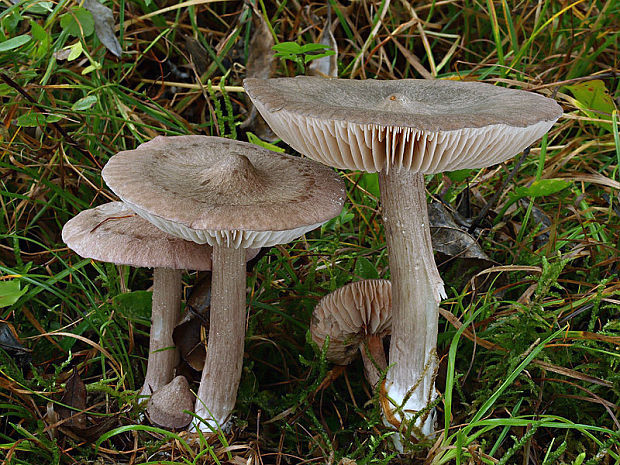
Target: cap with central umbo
point(231, 195)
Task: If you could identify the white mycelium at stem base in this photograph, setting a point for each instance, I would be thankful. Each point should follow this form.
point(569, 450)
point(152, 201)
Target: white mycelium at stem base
point(417, 290)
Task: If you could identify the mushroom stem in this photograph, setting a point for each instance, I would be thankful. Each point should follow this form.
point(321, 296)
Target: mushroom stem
point(222, 369)
point(417, 290)
point(163, 355)
point(373, 357)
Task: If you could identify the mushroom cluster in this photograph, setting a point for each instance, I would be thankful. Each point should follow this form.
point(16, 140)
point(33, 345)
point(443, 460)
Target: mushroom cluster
point(201, 202)
point(232, 196)
point(404, 129)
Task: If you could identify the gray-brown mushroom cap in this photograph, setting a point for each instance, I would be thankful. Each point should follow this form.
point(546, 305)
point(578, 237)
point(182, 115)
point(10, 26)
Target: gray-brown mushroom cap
point(211, 189)
point(428, 126)
point(350, 314)
point(113, 233)
point(166, 406)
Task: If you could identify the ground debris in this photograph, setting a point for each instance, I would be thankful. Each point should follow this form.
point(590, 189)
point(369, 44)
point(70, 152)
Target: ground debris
point(11, 345)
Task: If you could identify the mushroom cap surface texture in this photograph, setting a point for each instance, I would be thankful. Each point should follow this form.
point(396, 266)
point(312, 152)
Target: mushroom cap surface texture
point(221, 191)
point(350, 314)
point(166, 406)
point(113, 233)
point(428, 126)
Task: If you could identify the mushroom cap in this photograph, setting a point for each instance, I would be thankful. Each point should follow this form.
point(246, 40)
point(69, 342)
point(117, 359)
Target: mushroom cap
point(113, 233)
point(349, 315)
point(427, 126)
point(225, 192)
point(166, 406)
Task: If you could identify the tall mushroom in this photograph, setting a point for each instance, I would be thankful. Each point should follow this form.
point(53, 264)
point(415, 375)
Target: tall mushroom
point(356, 316)
point(404, 129)
point(113, 233)
point(231, 195)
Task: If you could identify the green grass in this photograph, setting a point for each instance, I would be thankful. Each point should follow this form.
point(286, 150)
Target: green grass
point(541, 383)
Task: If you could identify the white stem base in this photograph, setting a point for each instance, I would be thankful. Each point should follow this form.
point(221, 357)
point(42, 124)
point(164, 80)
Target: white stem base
point(417, 290)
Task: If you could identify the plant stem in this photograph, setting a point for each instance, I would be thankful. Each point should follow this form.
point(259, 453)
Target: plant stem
point(163, 355)
point(222, 370)
point(417, 290)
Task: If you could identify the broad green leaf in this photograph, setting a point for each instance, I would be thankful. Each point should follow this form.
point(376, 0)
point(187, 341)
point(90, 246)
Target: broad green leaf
point(92, 67)
point(75, 51)
point(77, 22)
point(136, 304)
point(312, 47)
point(344, 217)
point(31, 120)
point(53, 118)
point(8, 24)
point(41, 37)
point(309, 58)
point(594, 99)
point(459, 175)
point(288, 47)
point(84, 103)
point(370, 183)
point(14, 43)
point(37, 31)
point(254, 139)
point(10, 292)
point(365, 269)
point(542, 187)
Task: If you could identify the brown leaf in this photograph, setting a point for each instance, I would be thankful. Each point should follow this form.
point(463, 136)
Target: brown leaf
point(449, 239)
point(326, 66)
point(197, 53)
point(260, 64)
point(187, 337)
point(9, 342)
point(74, 396)
point(187, 334)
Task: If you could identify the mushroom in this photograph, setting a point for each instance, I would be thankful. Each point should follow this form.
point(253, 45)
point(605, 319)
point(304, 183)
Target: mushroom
point(356, 316)
point(231, 195)
point(167, 407)
point(403, 130)
point(113, 233)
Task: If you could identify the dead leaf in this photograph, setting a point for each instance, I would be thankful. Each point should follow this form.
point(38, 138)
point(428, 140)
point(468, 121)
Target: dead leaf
point(62, 54)
point(75, 397)
point(188, 333)
point(197, 53)
point(449, 239)
point(261, 65)
point(326, 66)
point(200, 295)
point(11, 345)
point(104, 26)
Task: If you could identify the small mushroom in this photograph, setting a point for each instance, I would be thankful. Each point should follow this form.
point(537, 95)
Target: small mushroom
point(404, 129)
point(168, 406)
point(356, 316)
point(231, 195)
point(113, 233)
